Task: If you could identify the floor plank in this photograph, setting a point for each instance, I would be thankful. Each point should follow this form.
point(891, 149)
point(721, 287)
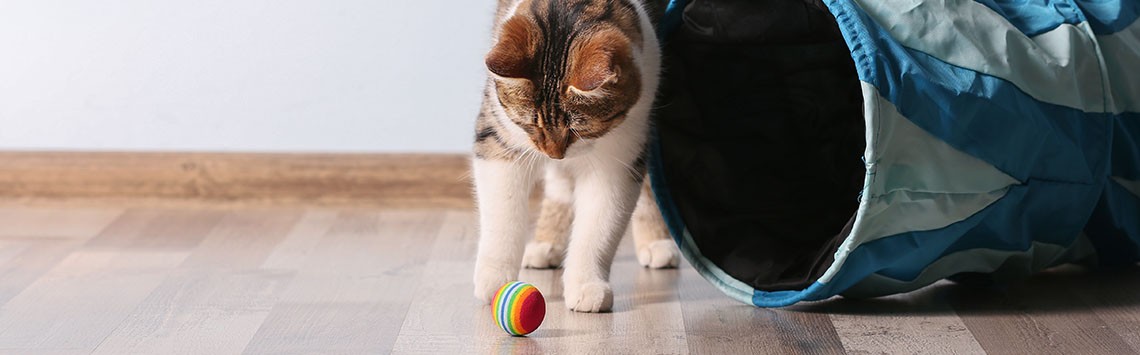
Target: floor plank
point(301, 240)
point(353, 291)
point(921, 322)
point(377, 280)
point(26, 261)
point(243, 239)
point(438, 319)
point(656, 318)
point(79, 302)
point(645, 318)
point(199, 313)
point(718, 325)
point(1114, 295)
point(1037, 317)
point(37, 239)
point(151, 229)
point(217, 293)
point(47, 222)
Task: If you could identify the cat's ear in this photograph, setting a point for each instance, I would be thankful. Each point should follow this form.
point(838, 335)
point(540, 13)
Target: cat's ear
point(599, 60)
point(513, 54)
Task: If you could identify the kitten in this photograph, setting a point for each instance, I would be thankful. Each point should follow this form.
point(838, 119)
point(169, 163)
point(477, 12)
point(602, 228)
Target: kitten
point(570, 88)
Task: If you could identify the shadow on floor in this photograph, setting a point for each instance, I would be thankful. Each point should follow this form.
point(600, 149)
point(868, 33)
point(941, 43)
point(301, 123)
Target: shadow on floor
point(1060, 290)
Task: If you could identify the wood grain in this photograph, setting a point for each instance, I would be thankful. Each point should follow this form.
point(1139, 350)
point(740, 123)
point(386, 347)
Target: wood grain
point(646, 316)
point(198, 312)
point(1114, 295)
point(718, 325)
point(274, 280)
point(83, 299)
point(437, 321)
point(242, 240)
point(69, 223)
point(26, 261)
point(911, 323)
point(302, 239)
point(34, 240)
point(352, 291)
point(157, 229)
point(436, 180)
point(1041, 316)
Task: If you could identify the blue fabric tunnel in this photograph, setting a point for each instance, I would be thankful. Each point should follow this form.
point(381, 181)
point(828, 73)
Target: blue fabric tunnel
point(812, 148)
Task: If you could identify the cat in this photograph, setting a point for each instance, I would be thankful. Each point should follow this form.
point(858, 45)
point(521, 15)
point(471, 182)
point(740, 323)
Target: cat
point(570, 87)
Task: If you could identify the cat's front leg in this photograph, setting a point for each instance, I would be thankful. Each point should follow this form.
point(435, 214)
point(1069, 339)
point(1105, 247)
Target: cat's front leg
point(604, 198)
point(503, 189)
point(552, 230)
point(655, 249)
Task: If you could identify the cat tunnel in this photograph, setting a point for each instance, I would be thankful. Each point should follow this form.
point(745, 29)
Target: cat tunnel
point(805, 149)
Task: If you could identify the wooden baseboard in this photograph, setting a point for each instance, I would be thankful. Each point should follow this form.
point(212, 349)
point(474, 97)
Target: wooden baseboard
point(405, 180)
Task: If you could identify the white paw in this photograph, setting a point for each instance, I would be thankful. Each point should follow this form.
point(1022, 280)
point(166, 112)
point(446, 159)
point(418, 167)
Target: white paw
point(589, 297)
point(490, 277)
point(659, 254)
point(543, 255)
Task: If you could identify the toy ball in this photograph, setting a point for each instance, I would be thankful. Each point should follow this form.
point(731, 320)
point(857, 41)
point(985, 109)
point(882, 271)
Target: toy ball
point(518, 308)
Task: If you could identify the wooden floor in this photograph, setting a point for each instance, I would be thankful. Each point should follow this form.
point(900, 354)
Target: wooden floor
point(265, 280)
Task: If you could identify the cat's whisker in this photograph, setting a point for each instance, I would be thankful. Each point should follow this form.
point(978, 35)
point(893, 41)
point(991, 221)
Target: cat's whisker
point(466, 176)
point(524, 158)
point(534, 158)
point(520, 156)
point(633, 172)
point(575, 132)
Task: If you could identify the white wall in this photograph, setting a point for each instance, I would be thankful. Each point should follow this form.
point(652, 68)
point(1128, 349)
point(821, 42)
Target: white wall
point(241, 75)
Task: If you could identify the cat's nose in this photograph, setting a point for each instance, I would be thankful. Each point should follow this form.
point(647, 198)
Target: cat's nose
point(552, 149)
point(553, 144)
point(556, 155)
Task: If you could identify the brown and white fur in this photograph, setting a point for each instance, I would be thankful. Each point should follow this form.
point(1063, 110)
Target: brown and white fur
point(570, 88)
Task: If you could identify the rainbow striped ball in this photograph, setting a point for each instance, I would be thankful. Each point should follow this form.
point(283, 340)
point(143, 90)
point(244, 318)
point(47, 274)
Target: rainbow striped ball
point(518, 308)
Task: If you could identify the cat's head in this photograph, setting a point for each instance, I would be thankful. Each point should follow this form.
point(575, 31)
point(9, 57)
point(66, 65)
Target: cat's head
point(565, 71)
